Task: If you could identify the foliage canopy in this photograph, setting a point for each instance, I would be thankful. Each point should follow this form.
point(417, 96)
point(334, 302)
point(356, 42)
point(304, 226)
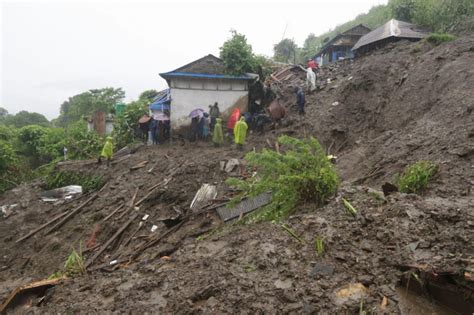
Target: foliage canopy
point(300, 174)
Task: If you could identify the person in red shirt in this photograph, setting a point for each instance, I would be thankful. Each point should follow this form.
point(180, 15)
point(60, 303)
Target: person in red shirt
point(312, 64)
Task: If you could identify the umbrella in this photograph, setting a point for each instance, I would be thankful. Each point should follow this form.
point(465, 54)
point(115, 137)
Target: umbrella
point(144, 119)
point(160, 117)
point(198, 112)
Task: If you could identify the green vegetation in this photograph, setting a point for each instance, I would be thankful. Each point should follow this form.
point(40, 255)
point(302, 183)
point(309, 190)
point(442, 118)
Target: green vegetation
point(415, 177)
point(239, 58)
point(292, 233)
point(350, 209)
point(437, 39)
point(319, 246)
point(59, 179)
point(84, 104)
point(74, 264)
point(438, 15)
point(300, 174)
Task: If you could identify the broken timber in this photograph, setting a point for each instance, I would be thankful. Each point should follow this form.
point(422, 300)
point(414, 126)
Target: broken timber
point(70, 214)
point(107, 244)
point(59, 216)
point(113, 212)
point(14, 297)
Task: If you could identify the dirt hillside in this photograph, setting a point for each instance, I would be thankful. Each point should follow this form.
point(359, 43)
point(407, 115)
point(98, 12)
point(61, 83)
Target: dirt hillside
point(406, 102)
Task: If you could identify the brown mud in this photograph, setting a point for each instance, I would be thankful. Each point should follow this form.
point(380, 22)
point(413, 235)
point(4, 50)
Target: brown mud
point(406, 102)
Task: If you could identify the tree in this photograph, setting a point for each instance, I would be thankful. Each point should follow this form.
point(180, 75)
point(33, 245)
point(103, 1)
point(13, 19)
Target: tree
point(89, 102)
point(402, 9)
point(311, 46)
point(3, 113)
point(237, 55)
point(148, 95)
point(25, 118)
point(285, 51)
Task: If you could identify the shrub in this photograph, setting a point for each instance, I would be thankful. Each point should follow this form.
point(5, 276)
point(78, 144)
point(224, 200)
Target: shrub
point(415, 177)
point(126, 124)
point(437, 38)
point(7, 156)
point(65, 178)
point(300, 174)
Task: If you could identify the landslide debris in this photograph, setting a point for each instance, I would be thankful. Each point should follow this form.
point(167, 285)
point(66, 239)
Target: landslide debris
point(378, 114)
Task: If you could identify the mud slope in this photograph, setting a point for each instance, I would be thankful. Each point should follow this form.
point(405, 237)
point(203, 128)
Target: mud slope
point(401, 104)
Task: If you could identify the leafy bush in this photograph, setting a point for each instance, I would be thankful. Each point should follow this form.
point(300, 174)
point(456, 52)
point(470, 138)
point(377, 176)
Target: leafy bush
point(301, 174)
point(51, 144)
point(436, 38)
point(82, 144)
point(415, 177)
point(64, 178)
point(7, 156)
point(126, 124)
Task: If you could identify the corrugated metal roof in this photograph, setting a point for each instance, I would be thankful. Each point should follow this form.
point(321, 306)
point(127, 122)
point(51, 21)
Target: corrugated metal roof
point(209, 67)
point(392, 28)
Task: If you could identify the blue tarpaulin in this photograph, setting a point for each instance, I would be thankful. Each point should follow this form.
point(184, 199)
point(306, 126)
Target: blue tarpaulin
point(162, 101)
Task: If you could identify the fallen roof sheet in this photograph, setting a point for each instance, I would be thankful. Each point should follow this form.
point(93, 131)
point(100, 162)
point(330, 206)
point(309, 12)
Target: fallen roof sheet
point(248, 205)
point(392, 28)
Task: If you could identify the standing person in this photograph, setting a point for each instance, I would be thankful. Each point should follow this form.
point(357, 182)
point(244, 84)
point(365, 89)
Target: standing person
point(300, 100)
point(154, 130)
point(215, 113)
point(207, 127)
point(234, 117)
point(107, 150)
point(194, 129)
point(312, 64)
point(144, 124)
point(201, 123)
point(217, 134)
point(310, 80)
point(240, 132)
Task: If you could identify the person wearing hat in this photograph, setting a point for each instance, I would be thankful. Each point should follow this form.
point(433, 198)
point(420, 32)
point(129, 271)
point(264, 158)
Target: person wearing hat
point(107, 150)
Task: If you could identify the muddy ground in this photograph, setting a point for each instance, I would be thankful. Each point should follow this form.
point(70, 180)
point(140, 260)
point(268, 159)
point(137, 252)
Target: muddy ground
point(406, 102)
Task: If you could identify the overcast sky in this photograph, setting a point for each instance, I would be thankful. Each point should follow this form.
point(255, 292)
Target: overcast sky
point(51, 51)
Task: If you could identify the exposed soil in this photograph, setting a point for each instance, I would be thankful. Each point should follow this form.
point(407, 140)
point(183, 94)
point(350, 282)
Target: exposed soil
point(407, 102)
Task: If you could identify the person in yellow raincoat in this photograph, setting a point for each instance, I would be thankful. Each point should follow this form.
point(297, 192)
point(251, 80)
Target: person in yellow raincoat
point(217, 135)
point(240, 132)
point(107, 150)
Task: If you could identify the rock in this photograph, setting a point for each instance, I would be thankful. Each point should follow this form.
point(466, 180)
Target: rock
point(283, 284)
point(389, 188)
point(321, 270)
point(350, 292)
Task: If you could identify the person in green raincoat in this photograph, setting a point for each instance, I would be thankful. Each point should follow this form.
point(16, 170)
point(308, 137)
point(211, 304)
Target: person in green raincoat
point(107, 150)
point(217, 135)
point(240, 132)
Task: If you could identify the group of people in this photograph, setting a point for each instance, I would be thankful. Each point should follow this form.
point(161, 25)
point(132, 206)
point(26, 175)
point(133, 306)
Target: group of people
point(159, 130)
point(202, 124)
point(206, 123)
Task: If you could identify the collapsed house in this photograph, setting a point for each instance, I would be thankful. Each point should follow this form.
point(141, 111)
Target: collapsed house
point(202, 83)
point(340, 47)
point(391, 31)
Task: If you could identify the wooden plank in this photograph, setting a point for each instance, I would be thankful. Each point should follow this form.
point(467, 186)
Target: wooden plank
point(107, 244)
point(71, 213)
point(19, 290)
point(59, 216)
point(113, 212)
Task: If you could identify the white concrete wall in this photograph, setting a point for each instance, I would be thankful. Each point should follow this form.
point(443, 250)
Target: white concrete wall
point(189, 94)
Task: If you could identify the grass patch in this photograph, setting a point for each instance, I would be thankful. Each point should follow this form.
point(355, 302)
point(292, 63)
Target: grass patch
point(74, 264)
point(415, 178)
point(439, 38)
point(65, 178)
point(302, 173)
point(319, 246)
